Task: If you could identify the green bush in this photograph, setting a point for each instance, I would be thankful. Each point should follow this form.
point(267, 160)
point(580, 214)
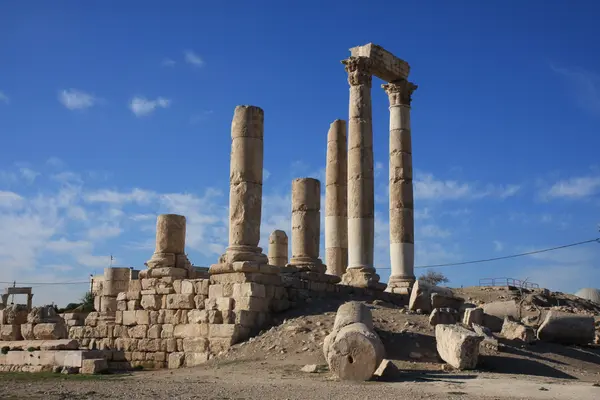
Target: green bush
point(5, 349)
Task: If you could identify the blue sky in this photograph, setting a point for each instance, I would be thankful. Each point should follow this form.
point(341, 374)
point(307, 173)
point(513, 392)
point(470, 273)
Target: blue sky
point(113, 112)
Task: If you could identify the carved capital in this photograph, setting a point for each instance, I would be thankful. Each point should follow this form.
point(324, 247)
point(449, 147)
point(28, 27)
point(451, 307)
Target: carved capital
point(359, 70)
point(400, 92)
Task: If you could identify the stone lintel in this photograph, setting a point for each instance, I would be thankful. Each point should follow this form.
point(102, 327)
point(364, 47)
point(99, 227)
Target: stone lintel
point(18, 290)
point(385, 65)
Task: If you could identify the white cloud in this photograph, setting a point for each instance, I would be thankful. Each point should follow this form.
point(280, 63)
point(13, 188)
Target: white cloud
point(427, 187)
point(584, 87)
point(4, 98)
point(104, 231)
point(142, 106)
point(193, 58)
point(115, 197)
point(575, 188)
point(28, 174)
point(10, 200)
point(498, 245)
point(266, 174)
point(74, 99)
point(167, 62)
point(432, 231)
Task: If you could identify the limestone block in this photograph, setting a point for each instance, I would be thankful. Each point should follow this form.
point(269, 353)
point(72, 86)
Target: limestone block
point(170, 234)
point(194, 359)
point(440, 300)
point(420, 296)
point(133, 305)
point(199, 301)
point(241, 277)
point(134, 295)
point(495, 312)
point(151, 302)
point(220, 290)
point(228, 331)
point(215, 317)
point(246, 163)
point(93, 366)
point(352, 312)
point(246, 318)
point(167, 331)
point(121, 305)
point(190, 330)
point(565, 328)
point(197, 316)
point(457, 346)
point(154, 331)
point(443, 316)
point(202, 286)
point(50, 331)
point(384, 64)
point(251, 304)
point(149, 345)
point(120, 332)
point(402, 225)
point(245, 266)
point(489, 345)
point(134, 285)
point(401, 195)
point(170, 345)
point(138, 332)
point(180, 301)
point(176, 360)
point(177, 285)
point(513, 330)
point(122, 296)
point(245, 202)
point(10, 332)
point(27, 332)
point(128, 318)
point(142, 317)
point(249, 289)
point(473, 316)
point(188, 287)
point(225, 303)
point(195, 345)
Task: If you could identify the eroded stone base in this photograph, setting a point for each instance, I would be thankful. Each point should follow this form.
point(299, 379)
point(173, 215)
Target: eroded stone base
point(400, 285)
point(363, 278)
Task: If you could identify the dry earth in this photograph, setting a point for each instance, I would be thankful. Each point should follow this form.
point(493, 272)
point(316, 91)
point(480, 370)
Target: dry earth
point(268, 366)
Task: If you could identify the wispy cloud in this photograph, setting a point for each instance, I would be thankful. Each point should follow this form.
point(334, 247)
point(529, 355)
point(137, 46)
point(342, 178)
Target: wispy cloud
point(584, 86)
point(167, 62)
point(201, 116)
point(430, 188)
point(142, 106)
point(193, 58)
point(574, 188)
point(498, 245)
point(74, 99)
point(4, 98)
point(432, 231)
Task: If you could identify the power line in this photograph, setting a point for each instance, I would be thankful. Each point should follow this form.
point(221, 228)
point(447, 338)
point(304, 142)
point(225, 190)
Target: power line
point(597, 240)
point(48, 283)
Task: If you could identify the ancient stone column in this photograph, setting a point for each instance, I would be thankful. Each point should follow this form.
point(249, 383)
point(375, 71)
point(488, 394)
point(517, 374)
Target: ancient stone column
point(278, 248)
point(402, 236)
point(116, 280)
point(245, 186)
point(336, 193)
point(169, 257)
point(361, 192)
point(306, 224)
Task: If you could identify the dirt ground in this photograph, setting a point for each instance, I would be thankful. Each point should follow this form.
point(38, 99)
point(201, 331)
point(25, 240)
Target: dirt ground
point(268, 366)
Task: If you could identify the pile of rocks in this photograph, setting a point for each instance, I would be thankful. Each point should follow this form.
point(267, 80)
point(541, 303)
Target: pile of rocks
point(41, 323)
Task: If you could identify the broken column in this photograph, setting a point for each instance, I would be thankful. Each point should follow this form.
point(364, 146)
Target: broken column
point(401, 188)
point(361, 193)
point(116, 280)
point(278, 248)
point(169, 258)
point(245, 186)
point(336, 194)
point(306, 225)
point(353, 350)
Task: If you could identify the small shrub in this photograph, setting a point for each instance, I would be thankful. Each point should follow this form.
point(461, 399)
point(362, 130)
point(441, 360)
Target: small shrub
point(31, 349)
point(5, 349)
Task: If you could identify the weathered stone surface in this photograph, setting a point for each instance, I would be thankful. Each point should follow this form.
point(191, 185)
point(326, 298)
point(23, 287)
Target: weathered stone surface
point(457, 346)
point(10, 332)
point(50, 331)
point(513, 330)
point(194, 359)
point(176, 360)
point(180, 301)
point(15, 314)
point(170, 234)
point(440, 300)
point(447, 316)
point(39, 315)
point(489, 345)
point(151, 302)
point(495, 312)
point(473, 316)
point(278, 248)
point(420, 296)
point(93, 366)
point(565, 328)
point(353, 350)
point(385, 65)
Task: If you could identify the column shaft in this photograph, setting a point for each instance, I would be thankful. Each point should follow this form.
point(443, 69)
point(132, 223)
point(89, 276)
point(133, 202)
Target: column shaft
point(336, 195)
point(361, 191)
point(278, 248)
point(306, 224)
point(401, 188)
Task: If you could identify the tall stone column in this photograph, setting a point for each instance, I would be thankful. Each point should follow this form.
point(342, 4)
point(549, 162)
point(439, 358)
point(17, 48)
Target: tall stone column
point(278, 248)
point(336, 205)
point(361, 192)
point(402, 236)
point(245, 186)
point(306, 225)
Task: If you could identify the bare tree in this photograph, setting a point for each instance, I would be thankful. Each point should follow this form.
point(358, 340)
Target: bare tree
point(433, 277)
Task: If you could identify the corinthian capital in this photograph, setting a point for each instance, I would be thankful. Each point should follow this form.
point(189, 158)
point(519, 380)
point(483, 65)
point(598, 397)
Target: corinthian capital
point(400, 92)
point(359, 70)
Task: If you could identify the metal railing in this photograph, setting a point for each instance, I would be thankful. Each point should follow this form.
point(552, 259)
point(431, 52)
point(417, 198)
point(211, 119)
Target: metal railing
point(508, 282)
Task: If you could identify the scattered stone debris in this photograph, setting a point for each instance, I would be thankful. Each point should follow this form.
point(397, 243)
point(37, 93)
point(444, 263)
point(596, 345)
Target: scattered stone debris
point(458, 346)
point(513, 330)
